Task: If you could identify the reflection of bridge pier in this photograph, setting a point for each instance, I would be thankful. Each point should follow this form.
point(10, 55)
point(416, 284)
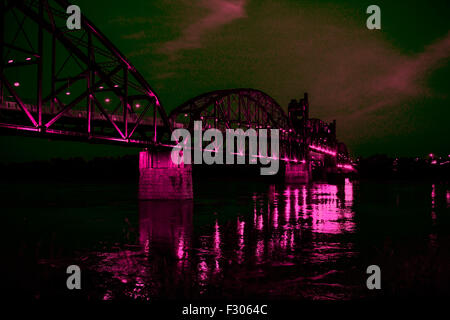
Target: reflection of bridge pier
point(160, 178)
point(166, 226)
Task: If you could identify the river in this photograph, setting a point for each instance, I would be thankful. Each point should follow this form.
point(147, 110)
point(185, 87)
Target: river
point(236, 239)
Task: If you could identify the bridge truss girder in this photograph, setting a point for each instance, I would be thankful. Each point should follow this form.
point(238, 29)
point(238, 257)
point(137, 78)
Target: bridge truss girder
point(71, 82)
point(242, 108)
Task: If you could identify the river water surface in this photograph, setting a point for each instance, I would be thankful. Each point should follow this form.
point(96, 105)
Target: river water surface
point(234, 240)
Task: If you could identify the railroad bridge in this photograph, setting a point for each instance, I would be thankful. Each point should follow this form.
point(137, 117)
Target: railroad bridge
point(75, 84)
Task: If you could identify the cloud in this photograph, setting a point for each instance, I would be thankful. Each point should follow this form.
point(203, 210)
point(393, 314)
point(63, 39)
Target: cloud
point(135, 36)
point(220, 12)
point(375, 76)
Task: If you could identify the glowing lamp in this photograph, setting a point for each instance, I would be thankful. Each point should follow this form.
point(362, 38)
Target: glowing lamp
point(10, 61)
point(138, 105)
point(28, 59)
point(68, 93)
point(107, 100)
point(16, 84)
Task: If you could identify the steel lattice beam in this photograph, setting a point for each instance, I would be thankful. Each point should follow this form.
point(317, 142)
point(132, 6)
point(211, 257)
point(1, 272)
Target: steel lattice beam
point(79, 60)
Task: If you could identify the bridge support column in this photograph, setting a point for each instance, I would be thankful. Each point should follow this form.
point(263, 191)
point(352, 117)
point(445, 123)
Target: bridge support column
point(298, 172)
point(161, 179)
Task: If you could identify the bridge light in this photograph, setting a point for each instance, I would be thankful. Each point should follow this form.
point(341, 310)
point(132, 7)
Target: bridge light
point(16, 84)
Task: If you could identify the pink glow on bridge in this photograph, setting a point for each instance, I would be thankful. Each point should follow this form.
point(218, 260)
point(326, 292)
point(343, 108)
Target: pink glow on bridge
point(345, 166)
point(323, 150)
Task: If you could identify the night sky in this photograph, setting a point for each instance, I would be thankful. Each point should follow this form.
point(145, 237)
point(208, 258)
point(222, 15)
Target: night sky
point(388, 89)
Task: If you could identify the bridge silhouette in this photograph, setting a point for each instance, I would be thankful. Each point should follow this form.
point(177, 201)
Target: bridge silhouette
point(75, 84)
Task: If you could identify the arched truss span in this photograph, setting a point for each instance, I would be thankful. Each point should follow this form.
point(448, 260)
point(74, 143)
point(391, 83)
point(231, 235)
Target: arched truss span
point(241, 108)
point(230, 109)
point(71, 82)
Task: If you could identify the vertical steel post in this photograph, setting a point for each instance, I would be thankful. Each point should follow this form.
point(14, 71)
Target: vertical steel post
point(2, 20)
point(52, 100)
point(215, 114)
point(155, 123)
point(40, 63)
point(125, 101)
point(90, 82)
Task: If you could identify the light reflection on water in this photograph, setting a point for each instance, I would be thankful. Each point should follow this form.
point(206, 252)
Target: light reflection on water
point(288, 232)
point(234, 240)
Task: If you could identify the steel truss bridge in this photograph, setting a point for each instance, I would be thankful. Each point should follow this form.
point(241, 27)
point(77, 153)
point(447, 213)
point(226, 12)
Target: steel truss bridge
point(75, 84)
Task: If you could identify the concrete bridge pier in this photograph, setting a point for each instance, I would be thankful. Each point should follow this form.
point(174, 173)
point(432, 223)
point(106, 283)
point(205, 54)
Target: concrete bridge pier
point(161, 179)
point(298, 172)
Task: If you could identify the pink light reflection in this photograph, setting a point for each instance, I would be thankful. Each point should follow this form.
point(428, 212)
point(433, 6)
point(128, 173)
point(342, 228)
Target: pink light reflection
point(287, 208)
point(448, 198)
point(241, 241)
point(348, 189)
point(327, 217)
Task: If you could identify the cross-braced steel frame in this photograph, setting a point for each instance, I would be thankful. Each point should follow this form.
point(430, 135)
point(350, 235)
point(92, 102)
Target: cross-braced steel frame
point(242, 108)
point(71, 82)
point(76, 83)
